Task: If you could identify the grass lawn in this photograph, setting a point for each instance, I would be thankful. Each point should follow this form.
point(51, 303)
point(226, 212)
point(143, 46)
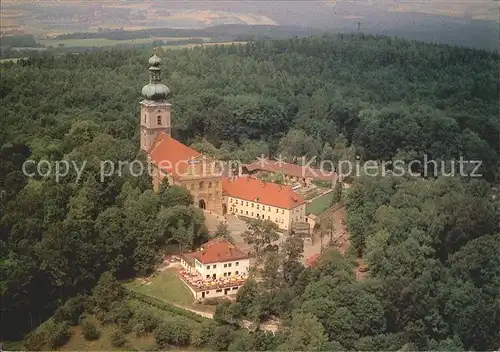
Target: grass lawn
point(166, 286)
point(320, 204)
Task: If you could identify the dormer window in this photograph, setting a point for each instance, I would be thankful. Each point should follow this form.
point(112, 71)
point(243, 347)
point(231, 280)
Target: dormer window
point(158, 120)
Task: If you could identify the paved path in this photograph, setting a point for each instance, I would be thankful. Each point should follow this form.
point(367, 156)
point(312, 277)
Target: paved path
point(267, 326)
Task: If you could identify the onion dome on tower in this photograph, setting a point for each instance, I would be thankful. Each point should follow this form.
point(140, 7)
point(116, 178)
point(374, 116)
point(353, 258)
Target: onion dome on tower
point(155, 90)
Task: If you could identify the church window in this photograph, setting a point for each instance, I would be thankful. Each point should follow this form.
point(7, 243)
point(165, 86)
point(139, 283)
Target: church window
point(158, 120)
point(210, 185)
point(201, 185)
point(145, 119)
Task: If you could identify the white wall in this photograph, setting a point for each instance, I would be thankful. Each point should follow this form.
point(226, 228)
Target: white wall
point(282, 217)
point(217, 292)
point(241, 266)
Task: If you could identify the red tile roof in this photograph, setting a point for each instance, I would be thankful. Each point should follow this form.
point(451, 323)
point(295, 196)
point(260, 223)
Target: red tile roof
point(217, 250)
point(312, 259)
point(268, 193)
point(291, 170)
point(171, 155)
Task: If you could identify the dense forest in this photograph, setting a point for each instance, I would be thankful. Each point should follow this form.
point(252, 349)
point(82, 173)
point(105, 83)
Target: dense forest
point(431, 244)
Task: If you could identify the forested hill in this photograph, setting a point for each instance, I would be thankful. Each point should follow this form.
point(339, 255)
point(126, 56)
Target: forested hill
point(386, 96)
point(332, 97)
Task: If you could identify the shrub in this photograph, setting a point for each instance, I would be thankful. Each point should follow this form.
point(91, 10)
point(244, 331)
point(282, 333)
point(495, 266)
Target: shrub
point(146, 319)
point(57, 334)
point(139, 329)
point(71, 310)
point(202, 334)
point(120, 314)
point(213, 301)
point(117, 338)
point(34, 341)
point(89, 330)
point(175, 332)
point(221, 338)
point(107, 290)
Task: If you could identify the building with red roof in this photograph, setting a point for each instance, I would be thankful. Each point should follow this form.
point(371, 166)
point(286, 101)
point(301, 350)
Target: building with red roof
point(216, 269)
point(203, 176)
point(181, 165)
point(291, 172)
point(253, 198)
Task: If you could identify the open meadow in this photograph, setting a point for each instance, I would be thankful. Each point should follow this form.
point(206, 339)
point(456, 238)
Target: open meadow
point(102, 42)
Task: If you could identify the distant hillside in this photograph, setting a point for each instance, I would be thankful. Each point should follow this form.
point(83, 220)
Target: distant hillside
point(217, 33)
point(465, 23)
point(475, 34)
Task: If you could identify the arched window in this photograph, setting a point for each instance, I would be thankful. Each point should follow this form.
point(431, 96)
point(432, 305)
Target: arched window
point(145, 119)
point(210, 185)
point(201, 184)
point(158, 120)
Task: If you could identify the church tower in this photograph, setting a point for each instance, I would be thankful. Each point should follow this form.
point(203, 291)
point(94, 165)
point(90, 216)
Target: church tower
point(155, 110)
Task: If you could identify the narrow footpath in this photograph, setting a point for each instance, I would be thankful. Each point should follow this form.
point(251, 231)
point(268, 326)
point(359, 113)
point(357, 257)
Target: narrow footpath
point(267, 326)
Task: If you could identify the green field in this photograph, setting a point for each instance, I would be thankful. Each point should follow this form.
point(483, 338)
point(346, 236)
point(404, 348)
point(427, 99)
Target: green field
point(320, 204)
point(165, 286)
point(14, 59)
point(192, 45)
point(101, 42)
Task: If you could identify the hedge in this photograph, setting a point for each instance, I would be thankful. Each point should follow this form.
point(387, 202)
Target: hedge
point(165, 306)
